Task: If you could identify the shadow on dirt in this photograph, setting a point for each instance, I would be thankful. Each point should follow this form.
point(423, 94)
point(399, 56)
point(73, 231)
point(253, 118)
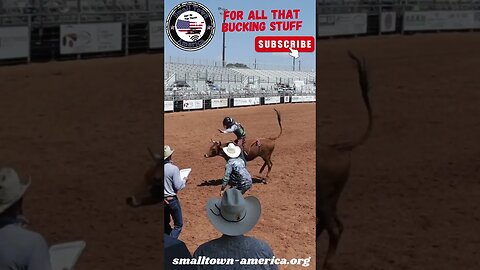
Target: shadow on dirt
point(218, 182)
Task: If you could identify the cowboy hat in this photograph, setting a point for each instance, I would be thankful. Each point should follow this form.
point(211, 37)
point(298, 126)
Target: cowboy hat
point(12, 188)
point(232, 214)
point(167, 151)
point(232, 150)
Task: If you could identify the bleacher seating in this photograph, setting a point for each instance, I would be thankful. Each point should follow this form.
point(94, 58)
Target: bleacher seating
point(217, 80)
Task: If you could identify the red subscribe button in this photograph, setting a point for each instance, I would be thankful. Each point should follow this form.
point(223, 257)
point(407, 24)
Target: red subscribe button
point(284, 43)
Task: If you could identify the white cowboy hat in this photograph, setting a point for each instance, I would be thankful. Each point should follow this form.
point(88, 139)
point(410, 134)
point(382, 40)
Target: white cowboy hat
point(232, 150)
point(232, 214)
point(167, 151)
point(12, 188)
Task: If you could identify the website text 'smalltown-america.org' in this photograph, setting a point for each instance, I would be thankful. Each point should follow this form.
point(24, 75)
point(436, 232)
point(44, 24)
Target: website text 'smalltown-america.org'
point(204, 260)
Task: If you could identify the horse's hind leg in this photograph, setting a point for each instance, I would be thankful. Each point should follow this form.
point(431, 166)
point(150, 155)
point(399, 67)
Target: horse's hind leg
point(270, 165)
point(339, 224)
point(263, 167)
point(320, 228)
point(334, 232)
point(265, 163)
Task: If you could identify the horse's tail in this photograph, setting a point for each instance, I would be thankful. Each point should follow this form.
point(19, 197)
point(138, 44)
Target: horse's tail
point(279, 119)
point(365, 87)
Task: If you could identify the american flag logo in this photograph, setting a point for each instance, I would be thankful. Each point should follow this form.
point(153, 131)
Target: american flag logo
point(189, 27)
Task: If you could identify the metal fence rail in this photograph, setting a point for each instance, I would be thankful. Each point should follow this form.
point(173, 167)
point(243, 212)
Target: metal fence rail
point(374, 9)
point(230, 95)
point(44, 30)
point(70, 6)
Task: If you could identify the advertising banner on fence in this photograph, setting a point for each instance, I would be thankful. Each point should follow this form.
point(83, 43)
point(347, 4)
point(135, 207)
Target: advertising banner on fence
point(388, 22)
point(476, 19)
point(246, 101)
point(303, 98)
point(155, 34)
point(219, 103)
point(14, 42)
point(168, 106)
point(193, 104)
point(272, 100)
point(342, 24)
point(87, 38)
point(438, 20)
point(286, 99)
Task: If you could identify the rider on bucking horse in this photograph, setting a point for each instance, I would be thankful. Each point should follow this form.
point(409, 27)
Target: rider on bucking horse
point(236, 128)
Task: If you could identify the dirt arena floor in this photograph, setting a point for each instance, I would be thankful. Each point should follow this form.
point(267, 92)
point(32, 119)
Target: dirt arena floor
point(82, 129)
point(412, 201)
point(288, 200)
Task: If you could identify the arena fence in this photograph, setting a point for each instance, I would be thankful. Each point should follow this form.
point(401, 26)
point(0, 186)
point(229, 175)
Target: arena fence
point(387, 17)
point(254, 64)
point(217, 103)
point(44, 37)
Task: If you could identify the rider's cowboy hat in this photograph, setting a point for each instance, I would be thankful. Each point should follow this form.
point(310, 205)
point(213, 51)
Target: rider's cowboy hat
point(232, 150)
point(12, 188)
point(232, 214)
point(167, 151)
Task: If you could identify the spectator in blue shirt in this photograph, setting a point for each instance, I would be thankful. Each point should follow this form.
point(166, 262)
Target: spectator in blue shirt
point(233, 215)
point(172, 184)
point(20, 249)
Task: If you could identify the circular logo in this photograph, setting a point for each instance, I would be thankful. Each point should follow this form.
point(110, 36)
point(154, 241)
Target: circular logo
point(190, 26)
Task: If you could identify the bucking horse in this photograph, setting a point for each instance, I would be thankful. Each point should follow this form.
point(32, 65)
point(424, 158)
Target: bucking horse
point(254, 147)
point(333, 170)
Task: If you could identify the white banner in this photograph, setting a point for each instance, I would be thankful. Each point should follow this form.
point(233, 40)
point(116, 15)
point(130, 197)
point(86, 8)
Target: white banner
point(168, 106)
point(303, 98)
point(286, 99)
point(438, 20)
point(155, 34)
point(342, 24)
point(193, 104)
point(84, 38)
point(14, 42)
point(272, 100)
point(219, 102)
point(476, 19)
point(388, 22)
point(246, 101)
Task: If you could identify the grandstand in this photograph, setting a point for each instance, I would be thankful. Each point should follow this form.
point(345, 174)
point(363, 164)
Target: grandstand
point(195, 81)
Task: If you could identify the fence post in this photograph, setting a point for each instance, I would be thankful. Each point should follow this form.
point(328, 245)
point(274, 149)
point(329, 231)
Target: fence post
point(127, 32)
point(29, 57)
point(79, 56)
point(380, 11)
point(404, 7)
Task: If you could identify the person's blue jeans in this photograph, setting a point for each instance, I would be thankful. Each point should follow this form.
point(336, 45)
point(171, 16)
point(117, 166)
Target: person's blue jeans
point(172, 210)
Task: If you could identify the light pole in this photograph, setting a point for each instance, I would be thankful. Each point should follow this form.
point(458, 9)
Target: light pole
point(222, 11)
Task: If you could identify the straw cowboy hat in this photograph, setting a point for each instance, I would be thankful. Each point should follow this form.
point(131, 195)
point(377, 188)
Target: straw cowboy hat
point(167, 151)
point(232, 214)
point(12, 188)
point(232, 150)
